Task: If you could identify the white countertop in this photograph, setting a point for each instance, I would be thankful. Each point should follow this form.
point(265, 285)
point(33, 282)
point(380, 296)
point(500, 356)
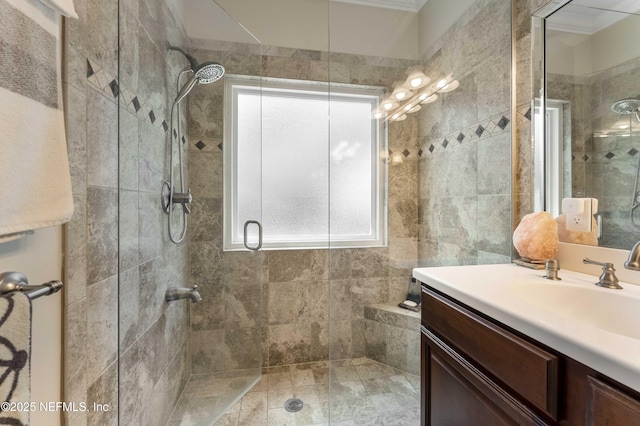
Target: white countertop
point(488, 289)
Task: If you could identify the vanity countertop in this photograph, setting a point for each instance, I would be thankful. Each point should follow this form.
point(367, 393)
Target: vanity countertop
point(596, 326)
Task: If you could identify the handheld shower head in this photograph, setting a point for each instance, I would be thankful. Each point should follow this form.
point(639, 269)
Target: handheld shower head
point(206, 73)
point(627, 106)
point(209, 72)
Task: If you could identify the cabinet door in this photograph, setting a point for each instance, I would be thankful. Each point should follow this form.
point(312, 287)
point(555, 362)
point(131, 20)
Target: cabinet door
point(456, 393)
point(611, 407)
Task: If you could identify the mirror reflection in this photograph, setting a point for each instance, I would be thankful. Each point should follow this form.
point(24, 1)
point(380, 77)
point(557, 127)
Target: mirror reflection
point(593, 113)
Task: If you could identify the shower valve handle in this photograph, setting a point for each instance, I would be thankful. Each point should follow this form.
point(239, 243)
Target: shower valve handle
point(183, 198)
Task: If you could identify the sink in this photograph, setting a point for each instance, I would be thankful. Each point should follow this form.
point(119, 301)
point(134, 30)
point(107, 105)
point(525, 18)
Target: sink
point(615, 311)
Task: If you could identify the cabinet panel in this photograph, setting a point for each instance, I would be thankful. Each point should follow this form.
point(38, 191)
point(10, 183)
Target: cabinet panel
point(456, 393)
point(611, 407)
point(525, 368)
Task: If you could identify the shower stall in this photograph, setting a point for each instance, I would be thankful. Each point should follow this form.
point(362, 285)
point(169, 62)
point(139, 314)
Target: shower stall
point(294, 160)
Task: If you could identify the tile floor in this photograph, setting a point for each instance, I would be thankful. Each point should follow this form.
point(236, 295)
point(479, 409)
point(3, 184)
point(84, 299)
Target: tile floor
point(363, 392)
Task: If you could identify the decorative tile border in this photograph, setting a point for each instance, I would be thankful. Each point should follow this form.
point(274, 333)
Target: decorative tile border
point(491, 126)
point(108, 85)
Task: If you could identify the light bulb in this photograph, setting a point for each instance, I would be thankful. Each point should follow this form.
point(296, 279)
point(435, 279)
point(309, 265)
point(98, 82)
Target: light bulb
point(388, 105)
point(451, 86)
point(429, 99)
point(400, 95)
point(395, 116)
point(415, 109)
point(408, 107)
point(442, 83)
point(416, 78)
point(400, 92)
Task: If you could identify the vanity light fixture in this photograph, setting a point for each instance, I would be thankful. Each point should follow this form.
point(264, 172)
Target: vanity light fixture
point(404, 101)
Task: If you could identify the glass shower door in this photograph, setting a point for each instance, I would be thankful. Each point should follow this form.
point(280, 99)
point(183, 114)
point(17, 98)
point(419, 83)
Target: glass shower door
point(183, 360)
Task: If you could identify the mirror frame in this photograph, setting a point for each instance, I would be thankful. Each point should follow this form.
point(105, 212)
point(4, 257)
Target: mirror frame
point(540, 190)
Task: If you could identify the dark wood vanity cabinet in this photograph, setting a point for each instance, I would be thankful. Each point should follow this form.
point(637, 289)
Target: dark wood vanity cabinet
point(476, 371)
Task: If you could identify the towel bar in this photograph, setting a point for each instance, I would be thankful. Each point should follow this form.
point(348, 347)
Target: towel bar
point(17, 281)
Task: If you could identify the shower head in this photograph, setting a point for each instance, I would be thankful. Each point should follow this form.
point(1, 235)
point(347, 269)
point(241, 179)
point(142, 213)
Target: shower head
point(209, 72)
point(206, 73)
point(627, 106)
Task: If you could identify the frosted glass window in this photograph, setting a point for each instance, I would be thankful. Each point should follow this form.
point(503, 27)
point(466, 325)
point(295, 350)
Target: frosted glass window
point(304, 160)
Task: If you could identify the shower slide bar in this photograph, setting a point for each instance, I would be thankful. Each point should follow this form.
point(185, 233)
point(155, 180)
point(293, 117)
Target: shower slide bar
point(17, 281)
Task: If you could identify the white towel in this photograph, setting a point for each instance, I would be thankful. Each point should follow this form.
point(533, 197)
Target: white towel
point(35, 185)
point(15, 354)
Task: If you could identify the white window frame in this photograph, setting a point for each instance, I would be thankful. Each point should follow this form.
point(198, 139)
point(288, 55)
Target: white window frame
point(236, 84)
point(553, 161)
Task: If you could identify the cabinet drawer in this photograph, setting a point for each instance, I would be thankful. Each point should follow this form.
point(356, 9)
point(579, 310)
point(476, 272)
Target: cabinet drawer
point(528, 370)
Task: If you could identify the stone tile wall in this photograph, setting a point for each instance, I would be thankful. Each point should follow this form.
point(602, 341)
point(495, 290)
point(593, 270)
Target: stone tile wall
point(118, 262)
point(313, 300)
point(465, 136)
point(392, 336)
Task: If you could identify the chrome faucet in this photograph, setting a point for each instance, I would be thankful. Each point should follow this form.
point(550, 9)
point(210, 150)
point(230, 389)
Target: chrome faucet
point(633, 262)
point(551, 267)
point(608, 277)
point(177, 293)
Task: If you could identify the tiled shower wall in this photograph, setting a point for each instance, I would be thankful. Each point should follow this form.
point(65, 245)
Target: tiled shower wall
point(118, 260)
point(465, 136)
point(298, 314)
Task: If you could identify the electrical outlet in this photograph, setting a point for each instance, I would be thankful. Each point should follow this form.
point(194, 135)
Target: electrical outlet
point(579, 213)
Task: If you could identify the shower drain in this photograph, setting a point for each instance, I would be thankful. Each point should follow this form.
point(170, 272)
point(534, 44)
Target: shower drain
point(293, 405)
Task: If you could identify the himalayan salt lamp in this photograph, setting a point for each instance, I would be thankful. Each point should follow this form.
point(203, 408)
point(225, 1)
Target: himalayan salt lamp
point(536, 237)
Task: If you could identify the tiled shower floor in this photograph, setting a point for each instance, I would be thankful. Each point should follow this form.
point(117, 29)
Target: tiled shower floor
point(363, 392)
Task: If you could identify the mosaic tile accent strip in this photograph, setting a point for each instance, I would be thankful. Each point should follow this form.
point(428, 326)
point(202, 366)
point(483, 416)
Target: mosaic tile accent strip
point(115, 90)
point(503, 122)
point(479, 131)
point(406, 152)
point(610, 155)
point(200, 145)
point(90, 70)
point(108, 85)
point(632, 152)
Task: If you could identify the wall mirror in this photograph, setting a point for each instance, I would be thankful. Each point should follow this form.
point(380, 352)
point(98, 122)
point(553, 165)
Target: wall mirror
point(586, 111)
